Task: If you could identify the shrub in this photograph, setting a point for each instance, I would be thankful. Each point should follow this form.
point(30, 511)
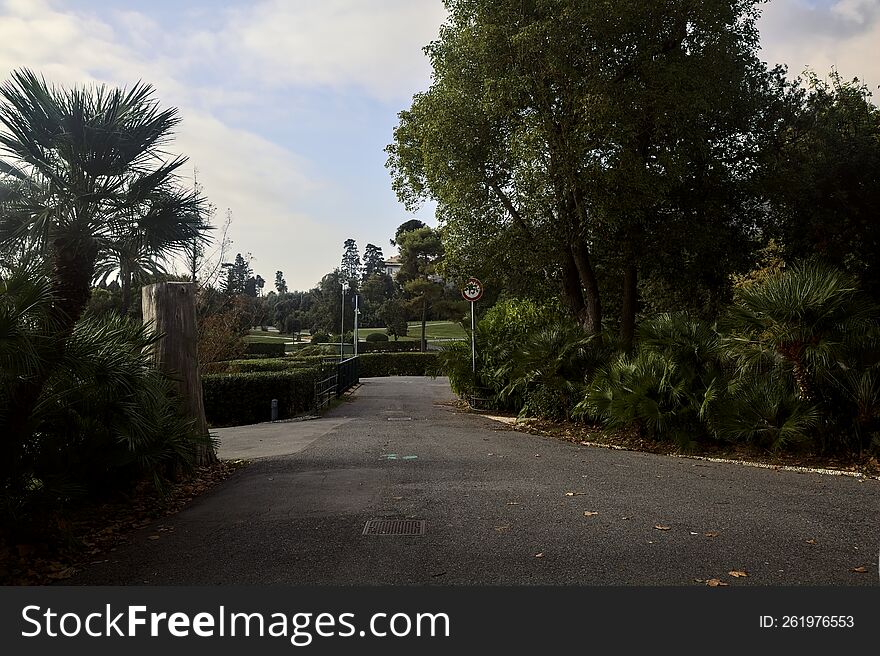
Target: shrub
point(765, 412)
point(319, 338)
point(548, 370)
point(374, 365)
point(316, 349)
point(246, 398)
point(271, 349)
point(387, 347)
point(271, 364)
point(501, 331)
point(377, 337)
point(105, 419)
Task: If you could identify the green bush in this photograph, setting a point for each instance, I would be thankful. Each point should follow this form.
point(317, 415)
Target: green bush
point(374, 365)
point(387, 347)
point(377, 337)
point(268, 349)
point(246, 398)
point(271, 364)
point(500, 333)
point(319, 338)
point(106, 419)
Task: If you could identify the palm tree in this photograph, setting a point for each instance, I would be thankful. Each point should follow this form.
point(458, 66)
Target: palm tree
point(810, 318)
point(143, 247)
point(95, 172)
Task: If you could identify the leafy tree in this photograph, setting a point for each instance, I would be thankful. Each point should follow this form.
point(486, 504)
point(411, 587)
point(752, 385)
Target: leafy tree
point(823, 177)
point(375, 290)
point(419, 251)
point(592, 140)
point(351, 262)
point(292, 326)
point(89, 160)
point(238, 273)
point(259, 283)
point(280, 283)
point(374, 261)
point(325, 312)
point(393, 315)
point(406, 226)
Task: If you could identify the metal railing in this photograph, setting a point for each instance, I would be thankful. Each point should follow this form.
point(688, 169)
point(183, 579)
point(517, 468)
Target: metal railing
point(324, 391)
point(342, 375)
point(346, 375)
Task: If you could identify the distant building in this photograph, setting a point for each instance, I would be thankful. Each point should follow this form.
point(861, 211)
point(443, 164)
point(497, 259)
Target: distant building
point(392, 266)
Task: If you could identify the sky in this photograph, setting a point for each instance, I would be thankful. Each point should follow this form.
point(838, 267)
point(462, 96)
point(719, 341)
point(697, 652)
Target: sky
point(287, 105)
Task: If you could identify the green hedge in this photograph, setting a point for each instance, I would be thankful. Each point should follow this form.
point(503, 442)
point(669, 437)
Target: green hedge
point(246, 398)
point(271, 364)
point(265, 349)
point(388, 347)
point(374, 365)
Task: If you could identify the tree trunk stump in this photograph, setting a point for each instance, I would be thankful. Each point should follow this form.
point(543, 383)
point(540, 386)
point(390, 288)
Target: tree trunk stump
point(170, 307)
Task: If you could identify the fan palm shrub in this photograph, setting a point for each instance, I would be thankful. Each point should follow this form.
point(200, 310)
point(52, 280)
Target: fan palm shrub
point(548, 369)
point(764, 411)
point(90, 168)
point(810, 319)
point(666, 388)
point(810, 331)
point(104, 417)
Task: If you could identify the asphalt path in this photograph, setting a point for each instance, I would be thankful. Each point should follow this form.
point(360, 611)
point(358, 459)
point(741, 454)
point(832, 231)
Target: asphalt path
point(501, 507)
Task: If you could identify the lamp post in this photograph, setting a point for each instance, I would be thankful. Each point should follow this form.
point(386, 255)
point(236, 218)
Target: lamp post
point(356, 313)
point(342, 324)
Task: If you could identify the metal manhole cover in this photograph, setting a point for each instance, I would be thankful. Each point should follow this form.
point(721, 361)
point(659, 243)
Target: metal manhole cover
point(395, 527)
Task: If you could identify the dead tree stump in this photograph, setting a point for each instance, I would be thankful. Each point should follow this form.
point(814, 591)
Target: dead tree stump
point(170, 308)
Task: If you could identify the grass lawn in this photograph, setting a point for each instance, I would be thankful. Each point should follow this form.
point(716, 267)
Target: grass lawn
point(434, 330)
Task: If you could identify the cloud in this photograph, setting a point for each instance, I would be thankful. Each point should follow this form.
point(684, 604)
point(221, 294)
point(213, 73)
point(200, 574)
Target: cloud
point(262, 182)
point(844, 34)
point(373, 46)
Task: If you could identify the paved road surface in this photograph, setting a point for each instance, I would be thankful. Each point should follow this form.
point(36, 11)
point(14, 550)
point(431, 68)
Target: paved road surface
point(494, 499)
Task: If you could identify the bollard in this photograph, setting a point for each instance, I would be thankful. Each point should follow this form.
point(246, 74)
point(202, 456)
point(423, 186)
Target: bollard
point(274, 409)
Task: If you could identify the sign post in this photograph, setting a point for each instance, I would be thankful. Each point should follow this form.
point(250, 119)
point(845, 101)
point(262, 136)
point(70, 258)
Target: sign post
point(473, 292)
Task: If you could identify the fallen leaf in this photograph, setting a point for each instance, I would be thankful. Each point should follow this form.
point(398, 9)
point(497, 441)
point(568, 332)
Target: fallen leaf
point(63, 574)
point(590, 513)
point(153, 537)
point(699, 581)
point(859, 570)
point(716, 583)
point(711, 534)
point(539, 555)
point(737, 574)
point(501, 529)
point(811, 541)
point(661, 527)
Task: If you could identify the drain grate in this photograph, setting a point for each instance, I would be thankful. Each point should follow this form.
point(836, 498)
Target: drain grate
point(395, 527)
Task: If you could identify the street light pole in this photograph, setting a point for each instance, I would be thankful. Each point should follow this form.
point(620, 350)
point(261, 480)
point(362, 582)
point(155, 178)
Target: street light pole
point(356, 313)
point(342, 324)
